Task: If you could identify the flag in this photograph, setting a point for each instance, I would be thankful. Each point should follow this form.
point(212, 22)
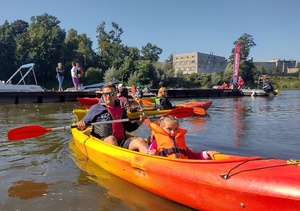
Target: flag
point(236, 61)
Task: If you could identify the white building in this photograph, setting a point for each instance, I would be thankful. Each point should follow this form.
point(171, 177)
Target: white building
point(198, 63)
point(284, 66)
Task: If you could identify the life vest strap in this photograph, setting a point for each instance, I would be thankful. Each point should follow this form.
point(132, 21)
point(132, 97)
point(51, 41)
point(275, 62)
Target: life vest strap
point(168, 151)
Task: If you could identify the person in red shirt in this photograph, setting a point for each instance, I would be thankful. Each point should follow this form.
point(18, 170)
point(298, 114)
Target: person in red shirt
point(240, 82)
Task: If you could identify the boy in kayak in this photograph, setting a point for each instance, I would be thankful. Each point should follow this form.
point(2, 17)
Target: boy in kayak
point(168, 140)
point(108, 108)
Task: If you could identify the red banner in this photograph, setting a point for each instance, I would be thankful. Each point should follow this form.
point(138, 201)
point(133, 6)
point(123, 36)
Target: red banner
point(236, 62)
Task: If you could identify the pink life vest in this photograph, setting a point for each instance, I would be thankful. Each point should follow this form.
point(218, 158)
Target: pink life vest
point(117, 128)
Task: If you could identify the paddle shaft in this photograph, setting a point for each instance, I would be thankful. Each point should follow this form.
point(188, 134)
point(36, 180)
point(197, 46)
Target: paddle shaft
point(32, 131)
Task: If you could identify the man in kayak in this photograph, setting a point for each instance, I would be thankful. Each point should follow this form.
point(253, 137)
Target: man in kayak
point(162, 101)
point(108, 108)
point(168, 140)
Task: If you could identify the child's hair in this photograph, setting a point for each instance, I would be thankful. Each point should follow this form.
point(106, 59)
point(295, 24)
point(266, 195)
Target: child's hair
point(168, 118)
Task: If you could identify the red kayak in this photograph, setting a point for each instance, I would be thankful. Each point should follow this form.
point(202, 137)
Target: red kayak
point(89, 101)
point(203, 104)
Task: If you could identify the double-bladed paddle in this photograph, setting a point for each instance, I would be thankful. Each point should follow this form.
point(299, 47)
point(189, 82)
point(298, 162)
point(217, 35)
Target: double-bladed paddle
point(32, 131)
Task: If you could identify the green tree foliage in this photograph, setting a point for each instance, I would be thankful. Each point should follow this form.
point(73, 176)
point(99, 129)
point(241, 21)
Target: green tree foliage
point(7, 51)
point(93, 76)
point(164, 72)
point(45, 37)
point(111, 75)
point(151, 52)
point(247, 43)
point(249, 72)
point(111, 51)
point(146, 73)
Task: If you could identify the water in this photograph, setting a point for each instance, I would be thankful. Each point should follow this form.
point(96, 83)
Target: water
point(49, 173)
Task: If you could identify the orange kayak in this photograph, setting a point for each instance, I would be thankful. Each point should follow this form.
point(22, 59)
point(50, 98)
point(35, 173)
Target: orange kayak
point(227, 183)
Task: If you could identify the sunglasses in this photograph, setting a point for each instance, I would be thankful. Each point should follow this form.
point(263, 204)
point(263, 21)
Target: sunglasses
point(108, 94)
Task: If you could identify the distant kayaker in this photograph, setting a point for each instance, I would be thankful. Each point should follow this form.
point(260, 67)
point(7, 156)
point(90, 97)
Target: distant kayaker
point(162, 102)
point(168, 140)
point(139, 93)
point(108, 109)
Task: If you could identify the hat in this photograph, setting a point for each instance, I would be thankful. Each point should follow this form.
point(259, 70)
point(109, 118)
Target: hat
point(138, 87)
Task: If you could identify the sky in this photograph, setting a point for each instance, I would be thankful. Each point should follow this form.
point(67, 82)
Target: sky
point(177, 26)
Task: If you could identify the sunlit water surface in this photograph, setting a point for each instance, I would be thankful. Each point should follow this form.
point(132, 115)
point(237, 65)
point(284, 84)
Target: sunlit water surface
point(48, 172)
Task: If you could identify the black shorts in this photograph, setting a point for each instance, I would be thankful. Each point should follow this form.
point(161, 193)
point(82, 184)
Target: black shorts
point(124, 143)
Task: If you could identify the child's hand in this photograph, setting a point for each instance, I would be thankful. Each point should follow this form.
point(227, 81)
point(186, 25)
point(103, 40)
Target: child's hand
point(152, 152)
point(212, 153)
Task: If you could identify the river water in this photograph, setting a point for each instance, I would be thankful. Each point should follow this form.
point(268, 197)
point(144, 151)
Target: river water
point(48, 172)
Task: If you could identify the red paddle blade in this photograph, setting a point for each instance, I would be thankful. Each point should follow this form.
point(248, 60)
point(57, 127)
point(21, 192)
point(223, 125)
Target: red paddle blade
point(199, 111)
point(181, 112)
point(147, 102)
point(24, 132)
point(133, 89)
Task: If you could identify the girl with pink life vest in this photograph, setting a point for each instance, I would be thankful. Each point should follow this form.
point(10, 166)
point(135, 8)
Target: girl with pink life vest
point(168, 139)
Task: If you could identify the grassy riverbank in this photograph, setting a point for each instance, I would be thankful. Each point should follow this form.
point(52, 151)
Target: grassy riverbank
point(286, 82)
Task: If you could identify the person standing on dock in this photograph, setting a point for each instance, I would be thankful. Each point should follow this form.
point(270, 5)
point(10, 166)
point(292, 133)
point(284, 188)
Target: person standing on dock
point(240, 82)
point(79, 75)
point(60, 74)
point(74, 71)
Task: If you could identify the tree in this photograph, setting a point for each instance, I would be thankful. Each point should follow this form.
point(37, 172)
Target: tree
point(93, 76)
point(7, 51)
point(45, 38)
point(20, 29)
point(247, 43)
point(170, 59)
point(111, 51)
point(151, 52)
point(111, 75)
point(146, 73)
point(164, 72)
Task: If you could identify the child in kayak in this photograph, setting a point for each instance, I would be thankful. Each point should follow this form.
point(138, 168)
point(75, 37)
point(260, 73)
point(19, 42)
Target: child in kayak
point(168, 140)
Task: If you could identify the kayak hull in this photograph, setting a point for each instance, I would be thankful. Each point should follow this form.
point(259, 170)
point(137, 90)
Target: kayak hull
point(251, 183)
point(89, 101)
point(203, 104)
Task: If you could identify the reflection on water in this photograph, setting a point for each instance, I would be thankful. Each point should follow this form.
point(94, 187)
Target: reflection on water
point(28, 189)
point(132, 196)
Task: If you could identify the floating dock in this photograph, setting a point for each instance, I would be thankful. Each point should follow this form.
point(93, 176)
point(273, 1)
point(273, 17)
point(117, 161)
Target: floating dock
point(41, 97)
point(70, 96)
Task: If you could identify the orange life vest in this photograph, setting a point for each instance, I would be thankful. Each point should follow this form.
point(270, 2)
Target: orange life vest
point(167, 146)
